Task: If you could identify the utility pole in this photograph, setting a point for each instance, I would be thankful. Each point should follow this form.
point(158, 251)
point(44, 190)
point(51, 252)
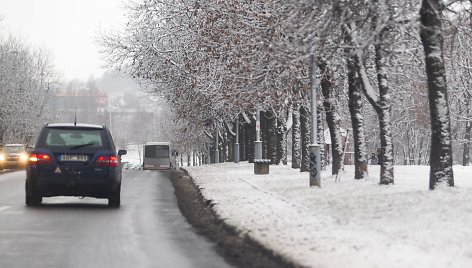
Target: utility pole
point(258, 142)
point(236, 144)
point(315, 155)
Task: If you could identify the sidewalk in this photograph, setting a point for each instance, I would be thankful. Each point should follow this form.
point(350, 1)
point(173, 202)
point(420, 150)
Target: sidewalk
point(348, 223)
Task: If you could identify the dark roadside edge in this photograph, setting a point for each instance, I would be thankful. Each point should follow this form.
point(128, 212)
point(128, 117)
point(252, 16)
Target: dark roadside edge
point(238, 250)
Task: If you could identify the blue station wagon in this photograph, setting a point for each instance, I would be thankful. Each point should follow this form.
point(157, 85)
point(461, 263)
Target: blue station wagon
point(74, 160)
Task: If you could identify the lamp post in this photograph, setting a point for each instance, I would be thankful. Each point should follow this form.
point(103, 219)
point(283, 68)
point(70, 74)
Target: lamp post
point(315, 155)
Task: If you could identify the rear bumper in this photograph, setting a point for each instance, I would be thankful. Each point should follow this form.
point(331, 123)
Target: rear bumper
point(72, 187)
point(75, 189)
point(156, 168)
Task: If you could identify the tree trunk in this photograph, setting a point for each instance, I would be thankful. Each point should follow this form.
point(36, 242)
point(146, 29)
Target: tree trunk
point(381, 102)
point(296, 137)
point(281, 141)
point(383, 109)
point(224, 145)
point(230, 138)
point(243, 141)
point(320, 132)
point(305, 136)
point(271, 137)
point(468, 130)
point(332, 116)
point(441, 143)
point(251, 139)
point(420, 151)
point(212, 154)
point(264, 135)
point(203, 158)
point(355, 109)
point(230, 146)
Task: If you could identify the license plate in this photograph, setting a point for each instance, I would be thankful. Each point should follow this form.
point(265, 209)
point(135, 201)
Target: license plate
point(74, 157)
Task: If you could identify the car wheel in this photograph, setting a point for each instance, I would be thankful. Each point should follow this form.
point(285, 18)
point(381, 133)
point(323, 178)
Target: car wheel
point(114, 199)
point(31, 198)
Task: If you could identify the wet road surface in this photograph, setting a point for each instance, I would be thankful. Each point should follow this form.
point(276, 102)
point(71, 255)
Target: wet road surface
point(147, 231)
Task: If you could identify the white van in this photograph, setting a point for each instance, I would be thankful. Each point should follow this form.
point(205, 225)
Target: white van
point(159, 155)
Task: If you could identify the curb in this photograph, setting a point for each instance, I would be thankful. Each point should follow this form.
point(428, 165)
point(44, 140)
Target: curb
point(269, 257)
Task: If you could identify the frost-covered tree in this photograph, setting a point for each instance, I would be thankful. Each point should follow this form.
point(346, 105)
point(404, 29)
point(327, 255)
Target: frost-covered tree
point(457, 46)
point(441, 142)
point(296, 137)
point(213, 61)
point(330, 106)
point(27, 79)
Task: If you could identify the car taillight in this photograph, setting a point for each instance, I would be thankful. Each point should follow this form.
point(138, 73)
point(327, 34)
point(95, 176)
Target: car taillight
point(43, 159)
point(107, 161)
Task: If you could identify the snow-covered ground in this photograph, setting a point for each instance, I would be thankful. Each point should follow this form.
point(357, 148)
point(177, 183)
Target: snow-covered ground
point(347, 223)
point(133, 158)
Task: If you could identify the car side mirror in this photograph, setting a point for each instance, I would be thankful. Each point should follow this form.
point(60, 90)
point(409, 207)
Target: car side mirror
point(29, 149)
point(122, 152)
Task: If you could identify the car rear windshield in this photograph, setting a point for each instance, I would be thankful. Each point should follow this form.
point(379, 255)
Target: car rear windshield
point(91, 138)
point(13, 149)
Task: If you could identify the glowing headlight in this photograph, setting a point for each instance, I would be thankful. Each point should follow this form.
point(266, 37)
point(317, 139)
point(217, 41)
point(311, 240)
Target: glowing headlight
point(2, 157)
point(23, 157)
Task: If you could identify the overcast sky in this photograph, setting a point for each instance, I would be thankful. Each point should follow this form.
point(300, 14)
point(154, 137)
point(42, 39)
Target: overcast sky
point(67, 28)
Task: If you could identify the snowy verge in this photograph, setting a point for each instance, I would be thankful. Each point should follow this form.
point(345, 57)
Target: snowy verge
point(132, 160)
point(348, 223)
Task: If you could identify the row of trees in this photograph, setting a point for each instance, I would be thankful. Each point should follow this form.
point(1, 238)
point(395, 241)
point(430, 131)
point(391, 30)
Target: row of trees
point(27, 79)
point(214, 61)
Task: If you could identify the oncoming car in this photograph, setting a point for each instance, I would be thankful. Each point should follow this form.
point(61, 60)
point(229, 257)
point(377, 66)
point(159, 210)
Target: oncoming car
point(74, 160)
point(13, 156)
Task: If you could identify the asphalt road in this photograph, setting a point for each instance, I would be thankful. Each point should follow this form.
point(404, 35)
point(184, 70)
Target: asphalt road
point(147, 231)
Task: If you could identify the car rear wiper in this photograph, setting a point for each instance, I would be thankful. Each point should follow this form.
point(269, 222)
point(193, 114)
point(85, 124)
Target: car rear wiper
point(75, 147)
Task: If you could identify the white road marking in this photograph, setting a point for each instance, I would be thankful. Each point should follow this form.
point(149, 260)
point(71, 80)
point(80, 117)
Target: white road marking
point(3, 208)
point(13, 213)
